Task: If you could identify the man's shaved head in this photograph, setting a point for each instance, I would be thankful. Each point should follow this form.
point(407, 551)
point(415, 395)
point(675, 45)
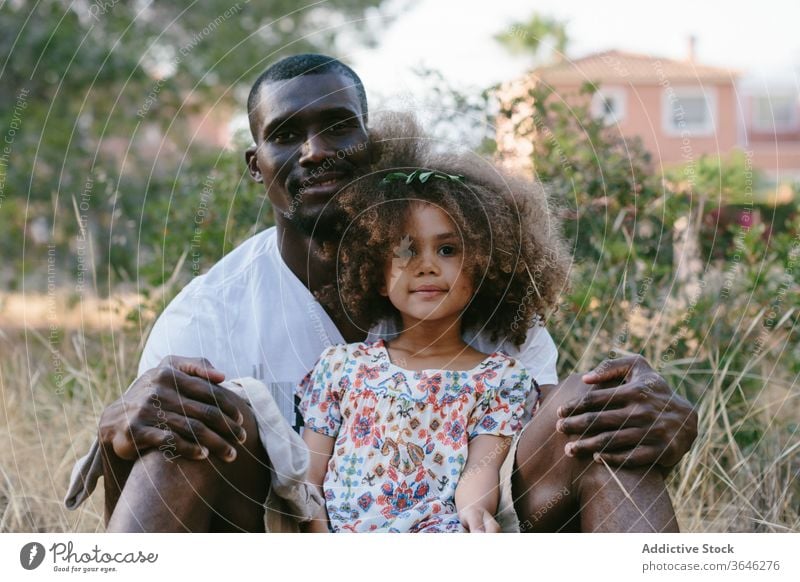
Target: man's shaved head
point(300, 65)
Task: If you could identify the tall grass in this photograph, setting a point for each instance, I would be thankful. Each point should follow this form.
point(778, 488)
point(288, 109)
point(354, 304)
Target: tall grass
point(743, 473)
point(47, 423)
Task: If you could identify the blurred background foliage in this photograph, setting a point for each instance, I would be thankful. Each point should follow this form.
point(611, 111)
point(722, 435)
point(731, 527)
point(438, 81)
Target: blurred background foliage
point(123, 100)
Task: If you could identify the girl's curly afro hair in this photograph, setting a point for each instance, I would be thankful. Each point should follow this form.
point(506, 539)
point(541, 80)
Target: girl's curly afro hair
point(512, 242)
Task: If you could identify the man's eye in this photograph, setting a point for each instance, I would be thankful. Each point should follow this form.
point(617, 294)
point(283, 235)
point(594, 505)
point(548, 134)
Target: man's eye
point(283, 135)
point(341, 126)
point(448, 250)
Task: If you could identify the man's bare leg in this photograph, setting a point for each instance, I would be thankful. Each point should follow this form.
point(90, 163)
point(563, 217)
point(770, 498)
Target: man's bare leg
point(163, 494)
point(555, 492)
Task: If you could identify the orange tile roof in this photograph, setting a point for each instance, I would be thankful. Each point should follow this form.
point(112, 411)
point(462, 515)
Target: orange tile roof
point(623, 67)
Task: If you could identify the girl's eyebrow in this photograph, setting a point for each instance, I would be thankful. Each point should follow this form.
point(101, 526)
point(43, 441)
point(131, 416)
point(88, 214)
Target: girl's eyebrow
point(440, 236)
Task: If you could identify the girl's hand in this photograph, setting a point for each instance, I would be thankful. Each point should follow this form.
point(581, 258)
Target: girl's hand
point(478, 520)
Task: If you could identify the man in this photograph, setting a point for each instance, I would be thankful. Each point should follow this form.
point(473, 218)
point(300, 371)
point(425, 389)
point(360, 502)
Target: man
point(179, 452)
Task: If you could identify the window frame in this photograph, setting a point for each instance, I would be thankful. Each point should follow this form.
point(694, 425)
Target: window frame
point(619, 95)
point(756, 109)
point(667, 106)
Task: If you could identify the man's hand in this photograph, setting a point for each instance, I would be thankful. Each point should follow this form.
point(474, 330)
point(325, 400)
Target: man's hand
point(177, 407)
point(633, 418)
point(478, 520)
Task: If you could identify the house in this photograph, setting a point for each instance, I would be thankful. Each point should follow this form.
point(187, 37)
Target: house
point(680, 109)
point(771, 126)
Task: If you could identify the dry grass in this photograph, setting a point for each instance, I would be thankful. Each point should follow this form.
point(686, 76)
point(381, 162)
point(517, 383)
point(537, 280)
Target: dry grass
point(46, 425)
point(720, 485)
point(743, 472)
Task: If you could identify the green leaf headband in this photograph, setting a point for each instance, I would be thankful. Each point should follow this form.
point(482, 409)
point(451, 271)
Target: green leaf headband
point(421, 176)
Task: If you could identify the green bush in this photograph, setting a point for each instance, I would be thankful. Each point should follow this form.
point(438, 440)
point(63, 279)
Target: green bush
point(726, 336)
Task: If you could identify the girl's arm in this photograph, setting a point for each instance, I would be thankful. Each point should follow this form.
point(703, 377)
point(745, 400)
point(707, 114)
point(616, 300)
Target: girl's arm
point(320, 448)
point(477, 492)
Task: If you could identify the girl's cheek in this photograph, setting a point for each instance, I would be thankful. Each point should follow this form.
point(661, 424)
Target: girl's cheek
point(464, 282)
point(393, 280)
point(390, 274)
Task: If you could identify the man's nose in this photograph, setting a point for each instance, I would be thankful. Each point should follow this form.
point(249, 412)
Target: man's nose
point(315, 150)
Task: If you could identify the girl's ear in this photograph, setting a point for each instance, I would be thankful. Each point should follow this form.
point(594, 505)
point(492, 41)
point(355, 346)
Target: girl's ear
point(383, 291)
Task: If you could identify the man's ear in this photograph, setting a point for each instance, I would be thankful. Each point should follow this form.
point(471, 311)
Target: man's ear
point(252, 164)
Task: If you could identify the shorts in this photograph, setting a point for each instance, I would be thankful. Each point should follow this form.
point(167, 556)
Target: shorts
point(506, 515)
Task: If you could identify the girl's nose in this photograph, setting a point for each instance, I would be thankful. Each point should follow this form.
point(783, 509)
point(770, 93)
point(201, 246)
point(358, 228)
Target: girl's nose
point(427, 264)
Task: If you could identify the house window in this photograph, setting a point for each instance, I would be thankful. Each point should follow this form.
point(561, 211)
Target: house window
point(609, 104)
point(775, 113)
point(689, 110)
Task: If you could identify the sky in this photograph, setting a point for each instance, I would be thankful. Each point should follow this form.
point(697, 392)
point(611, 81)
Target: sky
point(758, 38)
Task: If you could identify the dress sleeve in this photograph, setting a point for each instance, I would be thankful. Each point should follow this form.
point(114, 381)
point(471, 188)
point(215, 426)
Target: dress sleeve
point(502, 409)
point(320, 392)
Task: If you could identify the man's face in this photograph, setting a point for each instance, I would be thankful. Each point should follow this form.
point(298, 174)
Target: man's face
point(311, 141)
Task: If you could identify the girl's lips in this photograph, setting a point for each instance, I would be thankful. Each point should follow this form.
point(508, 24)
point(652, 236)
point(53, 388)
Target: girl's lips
point(427, 291)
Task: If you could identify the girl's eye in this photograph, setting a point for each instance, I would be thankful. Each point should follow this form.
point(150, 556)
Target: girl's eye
point(447, 250)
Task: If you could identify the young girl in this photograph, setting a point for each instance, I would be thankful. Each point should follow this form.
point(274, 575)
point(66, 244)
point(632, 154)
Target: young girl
point(409, 434)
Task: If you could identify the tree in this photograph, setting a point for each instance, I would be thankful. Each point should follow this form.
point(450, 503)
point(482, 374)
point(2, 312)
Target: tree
point(103, 99)
point(539, 31)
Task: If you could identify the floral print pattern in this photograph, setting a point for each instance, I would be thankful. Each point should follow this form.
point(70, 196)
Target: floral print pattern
point(402, 436)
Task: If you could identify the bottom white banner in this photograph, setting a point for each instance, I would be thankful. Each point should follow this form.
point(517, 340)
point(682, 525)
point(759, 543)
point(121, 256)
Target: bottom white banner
point(287, 558)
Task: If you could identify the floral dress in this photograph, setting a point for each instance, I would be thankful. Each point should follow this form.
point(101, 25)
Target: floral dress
point(401, 435)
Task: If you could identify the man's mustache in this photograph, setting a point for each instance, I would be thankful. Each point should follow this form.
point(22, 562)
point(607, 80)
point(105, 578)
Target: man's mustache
point(340, 170)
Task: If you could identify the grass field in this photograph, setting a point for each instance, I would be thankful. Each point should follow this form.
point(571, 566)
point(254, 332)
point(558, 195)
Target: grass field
point(46, 424)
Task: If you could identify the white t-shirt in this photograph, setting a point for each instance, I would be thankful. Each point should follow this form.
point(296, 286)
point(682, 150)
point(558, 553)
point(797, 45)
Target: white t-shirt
point(251, 316)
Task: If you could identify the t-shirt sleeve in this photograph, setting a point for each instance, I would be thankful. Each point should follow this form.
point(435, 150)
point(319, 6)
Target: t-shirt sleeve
point(188, 326)
point(502, 409)
point(539, 355)
point(320, 392)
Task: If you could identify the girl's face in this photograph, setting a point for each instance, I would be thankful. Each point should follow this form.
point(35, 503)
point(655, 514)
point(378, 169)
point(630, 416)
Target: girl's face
point(425, 275)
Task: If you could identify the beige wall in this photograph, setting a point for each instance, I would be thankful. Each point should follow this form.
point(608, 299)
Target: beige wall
point(644, 118)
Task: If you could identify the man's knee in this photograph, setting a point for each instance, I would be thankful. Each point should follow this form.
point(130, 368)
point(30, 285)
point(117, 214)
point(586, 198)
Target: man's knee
point(541, 444)
point(572, 388)
point(543, 474)
point(168, 473)
point(551, 487)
